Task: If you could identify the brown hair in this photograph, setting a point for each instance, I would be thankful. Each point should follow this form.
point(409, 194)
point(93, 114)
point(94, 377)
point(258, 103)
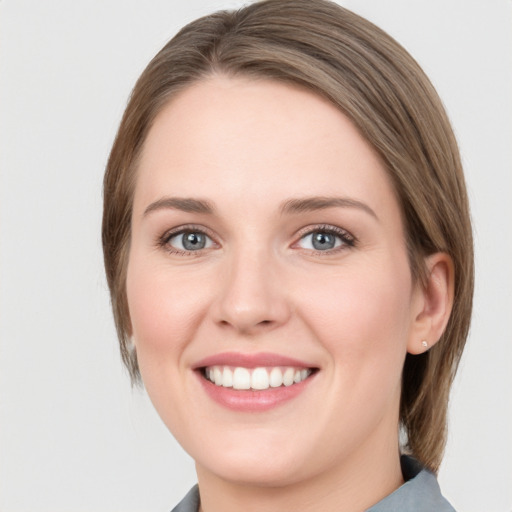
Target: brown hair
point(367, 75)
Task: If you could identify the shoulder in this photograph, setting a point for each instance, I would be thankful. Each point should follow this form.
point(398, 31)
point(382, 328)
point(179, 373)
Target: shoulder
point(190, 503)
point(420, 492)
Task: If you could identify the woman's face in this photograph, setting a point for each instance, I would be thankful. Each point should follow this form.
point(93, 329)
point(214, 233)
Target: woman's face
point(268, 253)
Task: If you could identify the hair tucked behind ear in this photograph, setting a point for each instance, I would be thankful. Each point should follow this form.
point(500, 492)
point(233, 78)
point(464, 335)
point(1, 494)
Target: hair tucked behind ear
point(367, 75)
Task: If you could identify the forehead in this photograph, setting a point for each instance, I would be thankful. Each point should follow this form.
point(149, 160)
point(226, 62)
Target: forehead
point(257, 137)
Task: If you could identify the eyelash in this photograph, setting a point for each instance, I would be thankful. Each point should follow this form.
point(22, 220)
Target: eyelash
point(163, 241)
point(347, 239)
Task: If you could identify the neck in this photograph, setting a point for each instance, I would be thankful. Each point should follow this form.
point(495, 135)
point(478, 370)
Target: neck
point(353, 486)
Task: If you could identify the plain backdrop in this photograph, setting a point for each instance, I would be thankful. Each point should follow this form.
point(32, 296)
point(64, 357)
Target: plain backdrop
point(73, 435)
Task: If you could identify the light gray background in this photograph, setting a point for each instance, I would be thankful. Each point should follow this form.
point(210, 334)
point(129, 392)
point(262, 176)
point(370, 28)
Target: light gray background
point(73, 436)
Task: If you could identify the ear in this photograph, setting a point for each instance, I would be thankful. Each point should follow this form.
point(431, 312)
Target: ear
point(432, 304)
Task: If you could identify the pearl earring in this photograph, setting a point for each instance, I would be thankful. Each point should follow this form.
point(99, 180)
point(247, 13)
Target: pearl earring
point(424, 343)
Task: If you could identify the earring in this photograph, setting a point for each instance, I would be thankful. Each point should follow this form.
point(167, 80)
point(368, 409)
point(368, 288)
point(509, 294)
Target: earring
point(424, 344)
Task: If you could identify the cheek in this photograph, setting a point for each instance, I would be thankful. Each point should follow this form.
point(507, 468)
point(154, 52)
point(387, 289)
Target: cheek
point(362, 320)
point(362, 316)
point(164, 309)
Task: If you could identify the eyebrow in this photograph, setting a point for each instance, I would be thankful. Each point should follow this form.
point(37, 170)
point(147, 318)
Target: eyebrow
point(306, 204)
point(184, 204)
point(309, 204)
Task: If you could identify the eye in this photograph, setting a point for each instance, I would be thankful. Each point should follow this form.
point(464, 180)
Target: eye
point(188, 241)
point(325, 239)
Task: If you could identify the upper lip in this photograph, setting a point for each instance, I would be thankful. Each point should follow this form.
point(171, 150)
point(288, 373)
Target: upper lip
point(255, 360)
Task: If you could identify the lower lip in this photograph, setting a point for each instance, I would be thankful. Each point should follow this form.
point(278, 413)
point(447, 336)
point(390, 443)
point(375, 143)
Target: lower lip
point(252, 401)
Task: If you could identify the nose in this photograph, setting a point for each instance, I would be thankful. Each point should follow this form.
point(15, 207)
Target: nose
point(251, 297)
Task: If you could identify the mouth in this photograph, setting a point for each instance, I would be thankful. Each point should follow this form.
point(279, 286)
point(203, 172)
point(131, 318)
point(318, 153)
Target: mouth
point(253, 382)
point(255, 379)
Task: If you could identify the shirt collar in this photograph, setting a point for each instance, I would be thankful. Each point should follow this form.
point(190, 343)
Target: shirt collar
point(420, 493)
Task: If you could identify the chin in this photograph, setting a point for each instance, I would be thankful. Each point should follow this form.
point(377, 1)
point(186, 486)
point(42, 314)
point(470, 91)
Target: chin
point(266, 464)
point(257, 472)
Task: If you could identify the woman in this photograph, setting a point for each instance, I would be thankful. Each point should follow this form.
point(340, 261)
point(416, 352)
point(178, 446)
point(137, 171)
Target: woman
point(288, 248)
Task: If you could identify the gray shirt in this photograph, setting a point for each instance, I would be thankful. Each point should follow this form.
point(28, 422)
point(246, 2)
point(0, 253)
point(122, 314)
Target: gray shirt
point(419, 493)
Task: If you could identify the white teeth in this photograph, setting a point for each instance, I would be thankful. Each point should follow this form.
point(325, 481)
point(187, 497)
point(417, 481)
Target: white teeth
point(241, 378)
point(288, 376)
point(258, 378)
point(227, 378)
point(276, 378)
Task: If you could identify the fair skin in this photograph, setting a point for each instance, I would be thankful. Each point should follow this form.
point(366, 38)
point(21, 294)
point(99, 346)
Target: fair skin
point(295, 257)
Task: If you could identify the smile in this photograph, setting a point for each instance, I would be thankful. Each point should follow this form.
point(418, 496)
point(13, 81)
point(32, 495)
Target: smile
point(256, 379)
point(251, 383)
